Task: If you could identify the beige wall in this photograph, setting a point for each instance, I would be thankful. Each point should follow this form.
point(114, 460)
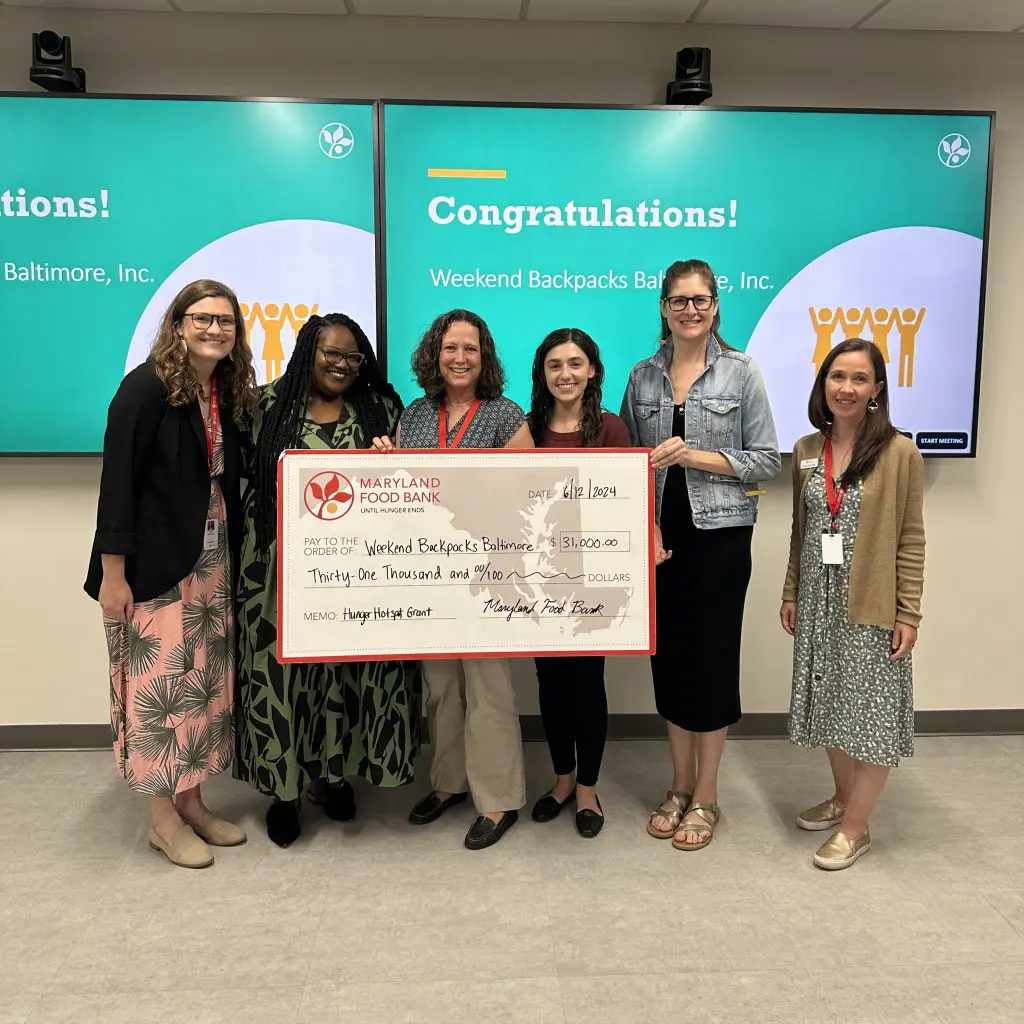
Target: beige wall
point(53, 665)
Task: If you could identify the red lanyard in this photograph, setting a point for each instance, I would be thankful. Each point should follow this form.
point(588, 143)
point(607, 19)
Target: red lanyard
point(211, 430)
point(442, 425)
point(835, 498)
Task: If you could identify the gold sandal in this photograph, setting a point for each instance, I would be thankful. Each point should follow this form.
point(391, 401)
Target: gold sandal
point(672, 810)
point(708, 816)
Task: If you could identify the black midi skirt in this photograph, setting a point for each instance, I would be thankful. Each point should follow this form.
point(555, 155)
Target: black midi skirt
point(700, 594)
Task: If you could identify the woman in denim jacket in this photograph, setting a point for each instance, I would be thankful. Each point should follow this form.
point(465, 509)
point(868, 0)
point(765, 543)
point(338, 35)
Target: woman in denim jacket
point(702, 407)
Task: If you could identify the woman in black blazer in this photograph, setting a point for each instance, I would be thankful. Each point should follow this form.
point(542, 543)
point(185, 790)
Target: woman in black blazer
point(167, 531)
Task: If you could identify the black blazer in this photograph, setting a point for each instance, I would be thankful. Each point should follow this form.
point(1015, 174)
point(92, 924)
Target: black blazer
point(155, 486)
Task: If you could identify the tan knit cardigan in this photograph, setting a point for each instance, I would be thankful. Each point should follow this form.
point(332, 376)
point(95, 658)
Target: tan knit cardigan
point(887, 566)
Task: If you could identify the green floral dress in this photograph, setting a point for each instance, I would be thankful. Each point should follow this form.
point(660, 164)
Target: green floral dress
point(847, 692)
point(300, 722)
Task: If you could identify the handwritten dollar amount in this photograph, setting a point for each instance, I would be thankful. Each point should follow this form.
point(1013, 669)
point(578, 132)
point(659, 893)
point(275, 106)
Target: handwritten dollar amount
point(613, 540)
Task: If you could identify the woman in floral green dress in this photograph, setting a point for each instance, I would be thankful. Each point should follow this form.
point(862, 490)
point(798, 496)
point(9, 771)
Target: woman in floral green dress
point(311, 726)
point(852, 597)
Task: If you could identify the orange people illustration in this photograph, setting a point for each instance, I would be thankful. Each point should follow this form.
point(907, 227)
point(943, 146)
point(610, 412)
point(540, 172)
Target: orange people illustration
point(272, 321)
point(824, 321)
point(881, 324)
point(853, 322)
point(908, 325)
point(273, 318)
point(299, 315)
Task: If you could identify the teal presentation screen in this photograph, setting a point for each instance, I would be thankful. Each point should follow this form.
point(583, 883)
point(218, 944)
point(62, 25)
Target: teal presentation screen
point(109, 206)
point(819, 225)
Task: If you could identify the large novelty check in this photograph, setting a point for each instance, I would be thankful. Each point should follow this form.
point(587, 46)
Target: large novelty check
point(464, 553)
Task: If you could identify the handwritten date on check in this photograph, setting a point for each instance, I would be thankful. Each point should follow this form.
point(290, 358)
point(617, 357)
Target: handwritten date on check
point(464, 554)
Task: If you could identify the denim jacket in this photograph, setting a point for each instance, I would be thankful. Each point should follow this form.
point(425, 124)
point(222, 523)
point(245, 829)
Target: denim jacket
point(727, 411)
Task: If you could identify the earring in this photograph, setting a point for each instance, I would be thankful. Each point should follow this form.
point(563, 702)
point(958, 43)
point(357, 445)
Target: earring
point(184, 344)
point(872, 406)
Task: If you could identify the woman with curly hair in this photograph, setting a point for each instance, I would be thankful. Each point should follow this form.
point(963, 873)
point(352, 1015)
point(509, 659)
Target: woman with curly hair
point(470, 701)
point(565, 412)
point(310, 727)
point(167, 527)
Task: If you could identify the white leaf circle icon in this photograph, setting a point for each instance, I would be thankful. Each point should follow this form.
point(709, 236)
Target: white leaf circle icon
point(336, 140)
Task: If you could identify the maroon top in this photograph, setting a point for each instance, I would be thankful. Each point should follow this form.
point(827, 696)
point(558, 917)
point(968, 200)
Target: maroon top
point(611, 434)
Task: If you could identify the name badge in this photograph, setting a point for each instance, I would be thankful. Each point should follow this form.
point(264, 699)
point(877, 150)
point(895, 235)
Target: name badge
point(831, 549)
point(210, 537)
point(808, 463)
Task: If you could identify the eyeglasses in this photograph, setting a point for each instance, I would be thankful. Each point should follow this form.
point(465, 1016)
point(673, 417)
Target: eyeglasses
point(677, 303)
point(335, 357)
point(204, 321)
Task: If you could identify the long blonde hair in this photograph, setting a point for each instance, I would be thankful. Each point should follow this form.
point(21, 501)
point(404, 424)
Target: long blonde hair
point(236, 380)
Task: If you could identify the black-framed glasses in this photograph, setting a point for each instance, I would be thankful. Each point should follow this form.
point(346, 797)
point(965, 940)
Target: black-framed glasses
point(335, 357)
point(677, 303)
point(204, 321)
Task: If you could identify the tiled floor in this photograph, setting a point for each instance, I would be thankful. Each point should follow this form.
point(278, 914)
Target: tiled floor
point(380, 922)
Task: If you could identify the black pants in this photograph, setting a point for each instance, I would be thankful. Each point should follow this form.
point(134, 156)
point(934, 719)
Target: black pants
point(574, 709)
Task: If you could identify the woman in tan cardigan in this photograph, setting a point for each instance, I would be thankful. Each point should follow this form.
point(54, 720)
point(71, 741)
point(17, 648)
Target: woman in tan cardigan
point(852, 597)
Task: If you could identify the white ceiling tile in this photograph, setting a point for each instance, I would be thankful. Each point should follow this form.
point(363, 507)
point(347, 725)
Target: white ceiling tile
point(506, 9)
point(789, 13)
point(261, 6)
point(95, 5)
point(950, 15)
point(659, 11)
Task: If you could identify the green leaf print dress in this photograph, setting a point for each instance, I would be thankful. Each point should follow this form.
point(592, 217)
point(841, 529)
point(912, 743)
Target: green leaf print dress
point(300, 722)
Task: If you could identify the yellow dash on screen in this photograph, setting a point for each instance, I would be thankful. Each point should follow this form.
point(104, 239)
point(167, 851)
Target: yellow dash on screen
point(463, 172)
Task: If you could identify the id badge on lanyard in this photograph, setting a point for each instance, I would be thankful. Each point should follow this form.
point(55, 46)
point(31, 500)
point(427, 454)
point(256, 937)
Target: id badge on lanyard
point(211, 534)
point(832, 540)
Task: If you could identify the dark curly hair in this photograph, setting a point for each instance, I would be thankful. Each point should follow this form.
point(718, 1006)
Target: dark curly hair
point(283, 422)
point(542, 402)
point(426, 359)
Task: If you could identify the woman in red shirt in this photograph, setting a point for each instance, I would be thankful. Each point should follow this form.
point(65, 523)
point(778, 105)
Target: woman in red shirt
point(565, 412)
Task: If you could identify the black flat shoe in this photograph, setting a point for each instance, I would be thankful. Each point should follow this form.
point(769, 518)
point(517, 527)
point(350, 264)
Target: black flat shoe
point(484, 832)
point(430, 808)
point(589, 823)
point(547, 808)
point(340, 802)
point(283, 826)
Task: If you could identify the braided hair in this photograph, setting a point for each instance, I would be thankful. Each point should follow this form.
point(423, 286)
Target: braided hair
point(281, 428)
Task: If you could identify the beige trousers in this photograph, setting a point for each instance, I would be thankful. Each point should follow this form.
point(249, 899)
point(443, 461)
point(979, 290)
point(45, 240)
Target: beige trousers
point(471, 707)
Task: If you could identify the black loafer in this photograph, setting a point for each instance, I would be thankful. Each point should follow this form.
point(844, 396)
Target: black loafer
point(283, 826)
point(340, 802)
point(484, 832)
point(430, 808)
point(589, 823)
point(547, 808)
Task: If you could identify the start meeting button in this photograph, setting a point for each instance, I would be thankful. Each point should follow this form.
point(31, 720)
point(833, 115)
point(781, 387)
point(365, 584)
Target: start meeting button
point(942, 442)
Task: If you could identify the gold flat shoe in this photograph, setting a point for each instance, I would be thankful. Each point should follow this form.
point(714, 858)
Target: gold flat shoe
point(840, 851)
point(672, 809)
point(707, 817)
point(218, 832)
point(185, 848)
point(821, 816)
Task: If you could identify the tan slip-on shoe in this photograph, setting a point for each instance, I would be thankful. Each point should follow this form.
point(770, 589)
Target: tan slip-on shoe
point(185, 848)
point(841, 851)
point(218, 831)
point(821, 816)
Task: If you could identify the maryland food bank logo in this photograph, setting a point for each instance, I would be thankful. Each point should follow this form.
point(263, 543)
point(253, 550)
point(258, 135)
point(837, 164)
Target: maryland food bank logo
point(861, 321)
point(328, 495)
